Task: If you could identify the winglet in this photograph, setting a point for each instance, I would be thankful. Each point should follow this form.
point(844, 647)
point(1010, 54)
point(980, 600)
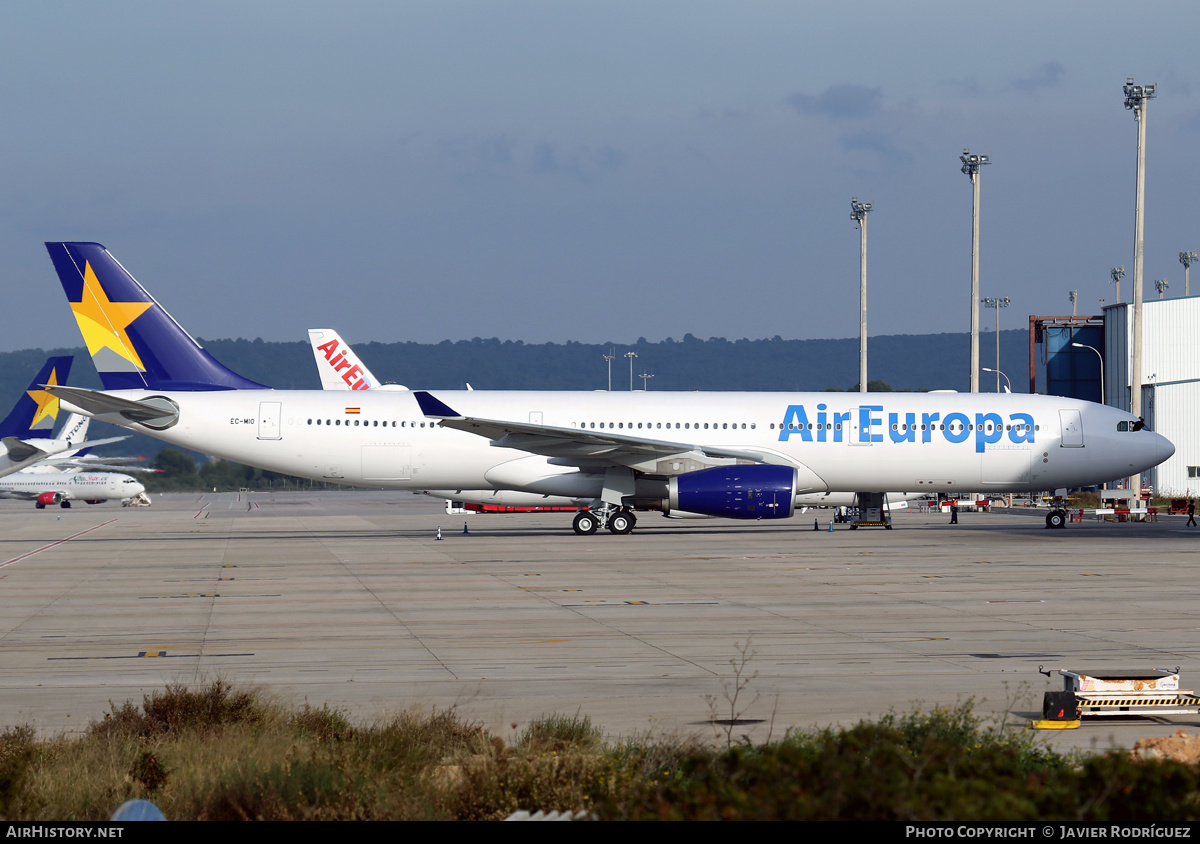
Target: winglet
point(432, 407)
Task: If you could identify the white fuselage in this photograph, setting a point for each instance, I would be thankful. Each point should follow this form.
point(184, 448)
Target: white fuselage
point(77, 486)
point(849, 442)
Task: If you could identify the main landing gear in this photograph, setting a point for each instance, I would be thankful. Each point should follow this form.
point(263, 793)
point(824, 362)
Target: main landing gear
point(617, 520)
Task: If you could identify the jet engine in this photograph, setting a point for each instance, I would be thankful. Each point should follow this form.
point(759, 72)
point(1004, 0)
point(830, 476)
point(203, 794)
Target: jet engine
point(753, 491)
point(48, 499)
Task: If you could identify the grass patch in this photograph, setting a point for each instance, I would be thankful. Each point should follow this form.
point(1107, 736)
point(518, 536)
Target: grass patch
point(559, 733)
point(219, 753)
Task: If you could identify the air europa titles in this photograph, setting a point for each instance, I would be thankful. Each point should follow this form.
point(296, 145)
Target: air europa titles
point(904, 427)
point(353, 375)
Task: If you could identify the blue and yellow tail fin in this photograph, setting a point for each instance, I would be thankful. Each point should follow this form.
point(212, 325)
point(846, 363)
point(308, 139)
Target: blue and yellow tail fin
point(36, 410)
point(134, 343)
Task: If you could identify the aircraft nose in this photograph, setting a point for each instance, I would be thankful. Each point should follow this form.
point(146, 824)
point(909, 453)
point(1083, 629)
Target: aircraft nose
point(1165, 447)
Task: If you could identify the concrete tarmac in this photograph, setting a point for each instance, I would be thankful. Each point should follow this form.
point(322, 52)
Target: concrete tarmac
point(347, 598)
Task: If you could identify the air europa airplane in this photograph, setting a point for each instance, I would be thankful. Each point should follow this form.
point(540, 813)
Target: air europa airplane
point(734, 455)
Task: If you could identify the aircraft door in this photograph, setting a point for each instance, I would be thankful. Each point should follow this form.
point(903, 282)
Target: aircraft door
point(1072, 428)
point(852, 433)
point(268, 420)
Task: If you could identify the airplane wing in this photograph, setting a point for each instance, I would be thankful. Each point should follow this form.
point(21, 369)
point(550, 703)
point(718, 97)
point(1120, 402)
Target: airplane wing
point(73, 466)
point(574, 446)
point(19, 495)
point(67, 453)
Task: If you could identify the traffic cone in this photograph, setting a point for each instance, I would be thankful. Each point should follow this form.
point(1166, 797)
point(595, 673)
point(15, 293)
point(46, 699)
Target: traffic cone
point(465, 531)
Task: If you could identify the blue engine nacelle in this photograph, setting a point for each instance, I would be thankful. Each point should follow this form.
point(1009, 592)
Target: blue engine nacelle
point(755, 491)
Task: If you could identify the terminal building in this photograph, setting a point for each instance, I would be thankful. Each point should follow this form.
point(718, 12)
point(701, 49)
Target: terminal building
point(1090, 357)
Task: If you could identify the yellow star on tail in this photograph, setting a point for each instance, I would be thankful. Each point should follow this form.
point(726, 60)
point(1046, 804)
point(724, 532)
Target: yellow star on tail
point(104, 323)
point(47, 405)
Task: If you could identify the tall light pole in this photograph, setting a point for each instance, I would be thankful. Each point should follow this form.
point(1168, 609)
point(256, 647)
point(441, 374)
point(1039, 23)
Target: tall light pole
point(645, 378)
point(609, 358)
point(858, 213)
point(1097, 351)
point(1161, 285)
point(1187, 259)
point(1006, 378)
point(1117, 274)
point(970, 166)
point(1137, 98)
point(1074, 297)
point(631, 356)
point(997, 304)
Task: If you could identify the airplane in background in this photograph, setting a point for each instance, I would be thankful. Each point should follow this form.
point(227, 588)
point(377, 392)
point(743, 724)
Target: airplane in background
point(733, 455)
point(49, 488)
point(26, 434)
point(339, 367)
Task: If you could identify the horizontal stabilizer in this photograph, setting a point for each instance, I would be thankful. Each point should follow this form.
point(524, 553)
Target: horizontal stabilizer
point(157, 413)
point(19, 450)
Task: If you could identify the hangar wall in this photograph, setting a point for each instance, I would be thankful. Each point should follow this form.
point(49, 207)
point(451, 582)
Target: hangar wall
point(1170, 381)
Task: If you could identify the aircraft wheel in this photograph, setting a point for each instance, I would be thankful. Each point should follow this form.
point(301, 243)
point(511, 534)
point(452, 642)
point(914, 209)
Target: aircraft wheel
point(66, 505)
point(39, 505)
point(1056, 519)
point(620, 522)
point(585, 523)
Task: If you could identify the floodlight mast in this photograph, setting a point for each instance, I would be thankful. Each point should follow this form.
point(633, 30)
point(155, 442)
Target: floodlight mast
point(631, 356)
point(1187, 259)
point(609, 358)
point(1117, 274)
point(858, 213)
point(970, 166)
point(1137, 98)
point(1074, 297)
point(1008, 385)
point(997, 304)
point(1161, 285)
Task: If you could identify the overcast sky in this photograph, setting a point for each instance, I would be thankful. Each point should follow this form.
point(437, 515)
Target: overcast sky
point(588, 170)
